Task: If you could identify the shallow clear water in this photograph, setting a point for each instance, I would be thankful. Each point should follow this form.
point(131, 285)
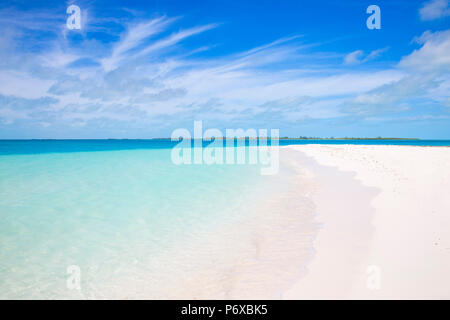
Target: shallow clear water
point(108, 212)
point(138, 226)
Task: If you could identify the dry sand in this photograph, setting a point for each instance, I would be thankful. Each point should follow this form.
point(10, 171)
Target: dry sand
point(385, 218)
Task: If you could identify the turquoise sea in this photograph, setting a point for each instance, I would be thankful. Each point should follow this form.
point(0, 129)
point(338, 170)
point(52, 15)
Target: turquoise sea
point(135, 224)
point(49, 146)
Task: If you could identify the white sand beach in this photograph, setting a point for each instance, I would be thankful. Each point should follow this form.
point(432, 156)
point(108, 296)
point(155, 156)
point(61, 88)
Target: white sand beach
point(337, 222)
point(385, 217)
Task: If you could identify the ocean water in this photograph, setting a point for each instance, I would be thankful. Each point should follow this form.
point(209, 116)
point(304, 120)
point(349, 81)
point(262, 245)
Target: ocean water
point(64, 146)
point(135, 225)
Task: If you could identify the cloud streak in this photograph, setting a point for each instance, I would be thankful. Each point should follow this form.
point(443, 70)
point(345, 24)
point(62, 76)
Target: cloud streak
point(358, 56)
point(146, 76)
point(434, 9)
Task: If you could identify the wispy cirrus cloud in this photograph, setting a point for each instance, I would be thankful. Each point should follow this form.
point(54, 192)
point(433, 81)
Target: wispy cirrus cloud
point(134, 78)
point(358, 56)
point(174, 39)
point(135, 43)
point(434, 9)
point(134, 37)
point(32, 20)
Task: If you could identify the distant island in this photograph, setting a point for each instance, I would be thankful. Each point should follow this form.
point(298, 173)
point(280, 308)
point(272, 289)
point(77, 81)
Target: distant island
point(345, 138)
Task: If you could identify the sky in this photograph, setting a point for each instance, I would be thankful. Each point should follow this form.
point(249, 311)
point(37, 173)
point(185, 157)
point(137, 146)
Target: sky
point(141, 69)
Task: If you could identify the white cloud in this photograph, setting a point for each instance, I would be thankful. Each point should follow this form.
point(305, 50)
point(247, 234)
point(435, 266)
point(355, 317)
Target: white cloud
point(354, 57)
point(174, 38)
point(433, 56)
point(391, 98)
point(57, 58)
point(14, 108)
point(447, 103)
point(23, 85)
point(134, 43)
point(426, 81)
point(358, 56)
point(375, 53)
point(37, 20)
point(134, 37)
point(142, 80)
point(434, 9)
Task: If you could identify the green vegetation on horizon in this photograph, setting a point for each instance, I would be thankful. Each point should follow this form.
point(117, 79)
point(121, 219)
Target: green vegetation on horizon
point(308, 138)
point(346, 138)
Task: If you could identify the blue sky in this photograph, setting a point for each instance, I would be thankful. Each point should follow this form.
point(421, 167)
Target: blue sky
point(141, 69)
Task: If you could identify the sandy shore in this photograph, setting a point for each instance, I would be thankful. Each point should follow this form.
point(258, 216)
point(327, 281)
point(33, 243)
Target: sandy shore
point(385, 218)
